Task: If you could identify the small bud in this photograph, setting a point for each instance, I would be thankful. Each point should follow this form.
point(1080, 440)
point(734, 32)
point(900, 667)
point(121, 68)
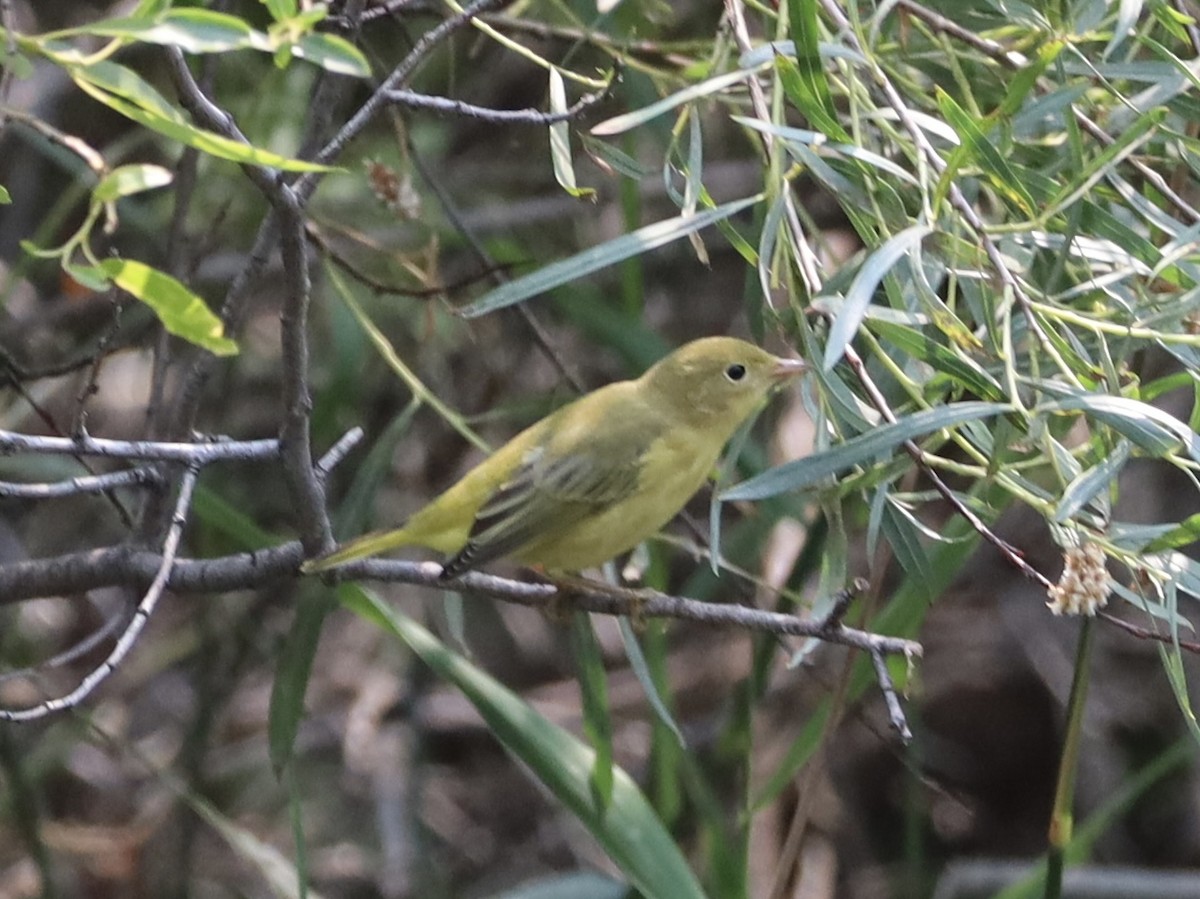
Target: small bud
point(1083, 587)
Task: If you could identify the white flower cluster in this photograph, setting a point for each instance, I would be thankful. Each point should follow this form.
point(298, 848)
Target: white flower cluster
point(1083, 587)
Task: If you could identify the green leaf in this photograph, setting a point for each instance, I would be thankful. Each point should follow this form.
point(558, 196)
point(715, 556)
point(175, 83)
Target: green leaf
point(905, 541)
point(151, 111)
point(641, 668)
point(808, 86)
point(880, 441)
point(977, 147)
point(625, 122)
point(593, 689)
point(613, 158)
point(564, 271)
point(89, 277)
point(862, 290)
point(818, 142)
point(628, 830)
point(333, 54)
point(1187, 531)
point(1131, 137)
point(1084, 488)
point(281, 9)
point(192, 30)
point(1157, 432)
point(128, 180)
point(954, 365)
point(292, 672)
point(560, 141)
point(182, 312)
point(1128, 12)
point(5, 196)
point(223, 517)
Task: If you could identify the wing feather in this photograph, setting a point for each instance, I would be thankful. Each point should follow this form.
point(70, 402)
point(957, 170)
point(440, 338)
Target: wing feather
point(545, 495)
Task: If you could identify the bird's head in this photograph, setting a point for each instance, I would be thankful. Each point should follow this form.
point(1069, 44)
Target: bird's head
point(716, 382)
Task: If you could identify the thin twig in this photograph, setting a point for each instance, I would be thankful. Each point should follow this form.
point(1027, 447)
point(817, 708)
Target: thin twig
point(307, 183)
point(843, 600)
point(336, 453)
point(414, 100)
point(141, 614)
point(71, 653)
point(454, 216)
point(383, 288)
point(138, 477)
point(77, 145)
point(895, 711)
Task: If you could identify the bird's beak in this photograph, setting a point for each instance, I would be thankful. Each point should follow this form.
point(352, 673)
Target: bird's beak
point(788, 368)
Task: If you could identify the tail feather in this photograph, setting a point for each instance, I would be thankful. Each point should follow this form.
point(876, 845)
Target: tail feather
point(367, 545)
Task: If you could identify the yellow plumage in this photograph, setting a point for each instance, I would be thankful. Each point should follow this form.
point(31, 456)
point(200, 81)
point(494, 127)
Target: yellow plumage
point(599, 475)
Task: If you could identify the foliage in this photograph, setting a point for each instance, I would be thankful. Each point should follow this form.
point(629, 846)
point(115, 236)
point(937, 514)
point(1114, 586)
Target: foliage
point(1015, 326)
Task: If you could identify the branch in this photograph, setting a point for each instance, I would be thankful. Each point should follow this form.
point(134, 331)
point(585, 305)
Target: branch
point(140, 477)
point(202, 453)
point(307, 183)
point(519, 116)
point(593, 596)
point(895, 711)
point(140, 615)
point(288, 205)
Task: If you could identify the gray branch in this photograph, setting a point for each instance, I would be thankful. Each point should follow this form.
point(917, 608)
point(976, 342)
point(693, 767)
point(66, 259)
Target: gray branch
point(98, 483)
point(507, 116)
point(141, 614)
point(200, 453)
point(77, 572)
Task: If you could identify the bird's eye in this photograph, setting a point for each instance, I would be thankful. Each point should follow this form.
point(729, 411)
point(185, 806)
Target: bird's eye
point(735, 372)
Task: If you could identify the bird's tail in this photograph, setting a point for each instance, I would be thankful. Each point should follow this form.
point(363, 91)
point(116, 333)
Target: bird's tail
point(367, 545)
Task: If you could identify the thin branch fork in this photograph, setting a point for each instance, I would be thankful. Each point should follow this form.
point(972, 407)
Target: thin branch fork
point(141, 614)
point(164, 567)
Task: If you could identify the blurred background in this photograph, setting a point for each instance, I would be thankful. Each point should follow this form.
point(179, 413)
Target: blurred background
point(789, 783)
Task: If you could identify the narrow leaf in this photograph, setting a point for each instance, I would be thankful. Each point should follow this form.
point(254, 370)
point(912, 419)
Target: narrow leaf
point(332, 53)
point(804, 472)
point(1084, 488)
point(978, 147)
point(593, 689)
point(810, 88)
point(629, 830)
point(560, 141)
point(174, 127)
point(192, 30)
point(641, 668)
point(625, 122)
point(862, 289)
point(1157, 432)
point(564, 271)
point(954, 365)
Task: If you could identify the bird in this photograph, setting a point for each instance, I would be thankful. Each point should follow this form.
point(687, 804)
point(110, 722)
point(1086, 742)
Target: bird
point(597, 476)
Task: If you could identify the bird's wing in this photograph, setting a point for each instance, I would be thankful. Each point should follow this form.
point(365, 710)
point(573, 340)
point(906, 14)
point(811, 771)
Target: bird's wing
point(544, 496)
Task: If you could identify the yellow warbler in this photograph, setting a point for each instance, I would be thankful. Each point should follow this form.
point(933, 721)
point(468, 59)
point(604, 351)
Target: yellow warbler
point(596, 477)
